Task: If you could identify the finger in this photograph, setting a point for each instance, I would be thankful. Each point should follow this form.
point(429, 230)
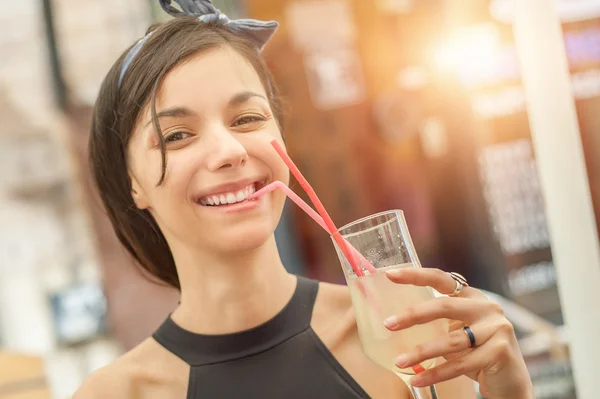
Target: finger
point(455, 325)
point(455, 342)
point(467, 310)
point(469, 364)
point(497, 349)
point(435, 278)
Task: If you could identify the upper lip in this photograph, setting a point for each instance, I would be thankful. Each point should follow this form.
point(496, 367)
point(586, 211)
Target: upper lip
point(227, 188)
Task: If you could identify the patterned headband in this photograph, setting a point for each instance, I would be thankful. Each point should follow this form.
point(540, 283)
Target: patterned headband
point(257, 32)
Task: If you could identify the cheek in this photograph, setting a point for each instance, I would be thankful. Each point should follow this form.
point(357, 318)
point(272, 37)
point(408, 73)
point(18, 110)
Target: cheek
point(280, 170)
point(147, 166)
point(283, 174)
point(174, 188)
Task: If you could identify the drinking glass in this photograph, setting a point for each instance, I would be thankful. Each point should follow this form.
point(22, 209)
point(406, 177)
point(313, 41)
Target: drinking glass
point(383, 239)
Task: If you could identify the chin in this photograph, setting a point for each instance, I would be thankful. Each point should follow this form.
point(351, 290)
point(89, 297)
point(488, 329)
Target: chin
point(242, 239)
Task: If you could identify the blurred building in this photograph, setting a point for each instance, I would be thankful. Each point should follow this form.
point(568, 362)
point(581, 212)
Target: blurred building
point(52, 303)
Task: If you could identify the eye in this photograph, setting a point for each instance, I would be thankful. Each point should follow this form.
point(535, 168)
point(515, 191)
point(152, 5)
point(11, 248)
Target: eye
point(176, 136)
point(246, 119)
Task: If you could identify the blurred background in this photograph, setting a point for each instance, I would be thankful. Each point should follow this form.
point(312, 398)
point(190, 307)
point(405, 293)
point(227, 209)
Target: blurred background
point(415, 105)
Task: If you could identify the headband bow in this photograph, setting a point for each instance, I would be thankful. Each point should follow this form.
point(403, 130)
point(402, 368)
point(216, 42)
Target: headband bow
point(257, 32)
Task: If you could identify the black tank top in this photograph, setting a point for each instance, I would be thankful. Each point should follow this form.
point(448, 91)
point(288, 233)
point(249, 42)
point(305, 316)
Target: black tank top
point(282, 358)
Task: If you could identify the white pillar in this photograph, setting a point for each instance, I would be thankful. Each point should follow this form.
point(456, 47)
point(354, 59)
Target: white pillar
point(564, 181)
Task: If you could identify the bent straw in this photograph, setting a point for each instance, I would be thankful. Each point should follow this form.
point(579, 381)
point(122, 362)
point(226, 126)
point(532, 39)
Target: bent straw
point(321, 209)
point(278, 185)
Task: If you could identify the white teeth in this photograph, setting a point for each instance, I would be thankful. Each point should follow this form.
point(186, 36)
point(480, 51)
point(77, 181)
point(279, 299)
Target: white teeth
point(240, 196)
point(229, 198)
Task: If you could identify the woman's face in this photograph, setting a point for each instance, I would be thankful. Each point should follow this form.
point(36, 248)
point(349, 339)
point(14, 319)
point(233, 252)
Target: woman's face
point(217, 126)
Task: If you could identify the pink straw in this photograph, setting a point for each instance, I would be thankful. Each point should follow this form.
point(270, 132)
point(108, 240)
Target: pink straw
point(320, 208)
point(278, 185)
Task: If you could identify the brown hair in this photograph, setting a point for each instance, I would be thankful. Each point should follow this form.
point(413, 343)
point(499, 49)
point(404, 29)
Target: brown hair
point(117, 110)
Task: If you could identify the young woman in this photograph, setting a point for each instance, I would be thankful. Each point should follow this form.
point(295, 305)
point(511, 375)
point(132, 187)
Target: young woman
point(180, 138)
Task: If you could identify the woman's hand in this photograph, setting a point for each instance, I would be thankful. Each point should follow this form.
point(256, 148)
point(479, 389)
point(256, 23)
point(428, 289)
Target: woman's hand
point(495, 361)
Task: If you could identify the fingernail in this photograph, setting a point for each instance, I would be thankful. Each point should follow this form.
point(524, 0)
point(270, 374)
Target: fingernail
point(391, 322)
point(394, 272)
point(402, 361)
point(416, 381)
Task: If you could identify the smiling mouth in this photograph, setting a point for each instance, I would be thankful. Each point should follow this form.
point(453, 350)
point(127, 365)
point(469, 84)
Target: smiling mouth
point(231, 197)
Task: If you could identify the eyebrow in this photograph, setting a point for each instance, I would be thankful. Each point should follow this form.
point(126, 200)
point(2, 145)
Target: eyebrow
point(244, 96)
point(180, 112)
point(173, 112)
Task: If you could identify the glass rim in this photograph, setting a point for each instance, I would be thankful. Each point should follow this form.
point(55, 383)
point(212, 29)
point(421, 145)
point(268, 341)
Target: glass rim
point(364, 219)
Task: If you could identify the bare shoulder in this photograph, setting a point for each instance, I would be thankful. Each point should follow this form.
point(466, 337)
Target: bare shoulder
point(333, 297)
point(109, 381)
point(146, 369)
point(333, 316)
point(333, 305)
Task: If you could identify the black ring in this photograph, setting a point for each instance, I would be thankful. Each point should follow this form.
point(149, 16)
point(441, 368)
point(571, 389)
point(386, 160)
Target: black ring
point(471, 336)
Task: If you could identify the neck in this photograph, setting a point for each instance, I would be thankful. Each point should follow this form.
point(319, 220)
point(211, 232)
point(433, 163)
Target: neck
point(225, 294)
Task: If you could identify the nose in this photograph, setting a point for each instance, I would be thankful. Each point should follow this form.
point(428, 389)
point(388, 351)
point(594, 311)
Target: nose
point(225, 151)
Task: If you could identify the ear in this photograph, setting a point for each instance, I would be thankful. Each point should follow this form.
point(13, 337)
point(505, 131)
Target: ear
point(138, 194)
